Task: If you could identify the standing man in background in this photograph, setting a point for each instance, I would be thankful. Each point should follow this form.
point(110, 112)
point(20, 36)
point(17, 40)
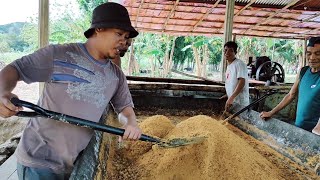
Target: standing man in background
point(237, 84)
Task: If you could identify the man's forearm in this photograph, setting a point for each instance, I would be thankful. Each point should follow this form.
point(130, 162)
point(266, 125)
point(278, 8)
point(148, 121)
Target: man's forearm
point(285, 101)
point(239, 87)
point(127, 115)
point(8, 79)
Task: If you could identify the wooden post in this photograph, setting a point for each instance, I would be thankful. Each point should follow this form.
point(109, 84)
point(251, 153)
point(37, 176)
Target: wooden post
point(43, 29)
point(43, 23)
point(304, 57)
point(228, 26)
point(234, 37)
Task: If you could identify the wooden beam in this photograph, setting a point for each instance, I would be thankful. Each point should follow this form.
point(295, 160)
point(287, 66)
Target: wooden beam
point(182, 6)
point(239, 12)
point(205, 15)
point(304, 53)
point(274, 14)
point(247, 16)
point(317, 29)
point(228, 28)
point(235, 23)
point(248, 5)
point(170, 14)
point(43, 23)
point(137, 17)
point(186, 33)
point(220, 8)
point(304, 20)
point(302, 3)
point(215, 30)
point(173, 80)
point(43, 29)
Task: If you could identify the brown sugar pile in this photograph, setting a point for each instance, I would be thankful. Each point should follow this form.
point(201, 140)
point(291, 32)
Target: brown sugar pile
point(223, 154)
point(155, 126)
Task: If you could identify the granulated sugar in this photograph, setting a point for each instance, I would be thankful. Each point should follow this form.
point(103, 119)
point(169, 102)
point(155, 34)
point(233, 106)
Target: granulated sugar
point(223, 155)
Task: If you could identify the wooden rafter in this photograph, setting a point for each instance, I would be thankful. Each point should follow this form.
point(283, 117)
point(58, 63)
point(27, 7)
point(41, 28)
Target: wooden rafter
point(182, 6)
point(186, 33)
point(188, 18)
point(302, 3)
point(170, 14)
point(216, 30)
point(205, 15)
point(137, 17)
point(317, 29)
point(303, 20)
point(248, 5)
point(273, 14)
point(247, 16)
point(235, 23)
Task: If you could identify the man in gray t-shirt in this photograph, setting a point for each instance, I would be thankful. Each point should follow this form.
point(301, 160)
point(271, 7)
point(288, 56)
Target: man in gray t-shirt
point(80, 81)
point(237, 85)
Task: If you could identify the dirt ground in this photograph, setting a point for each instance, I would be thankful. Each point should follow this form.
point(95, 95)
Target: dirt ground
point(13, 125)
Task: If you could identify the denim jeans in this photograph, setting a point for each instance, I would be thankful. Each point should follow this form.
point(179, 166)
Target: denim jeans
point(29, 173)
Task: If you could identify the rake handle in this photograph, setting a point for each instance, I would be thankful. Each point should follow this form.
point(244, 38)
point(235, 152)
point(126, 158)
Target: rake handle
point(249, 106)
point(73, 120)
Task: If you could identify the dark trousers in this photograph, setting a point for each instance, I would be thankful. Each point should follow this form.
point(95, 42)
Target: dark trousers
point(29, 173)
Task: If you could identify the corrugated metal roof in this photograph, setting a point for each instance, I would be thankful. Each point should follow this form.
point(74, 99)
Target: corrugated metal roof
point(280, 20)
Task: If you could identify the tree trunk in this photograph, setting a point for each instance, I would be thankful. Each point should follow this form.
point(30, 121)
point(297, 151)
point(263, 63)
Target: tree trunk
point(171, 56)
point(198, 60)
point(166, 61)
point(131, 63)
point(153, 61)
point(205, 60)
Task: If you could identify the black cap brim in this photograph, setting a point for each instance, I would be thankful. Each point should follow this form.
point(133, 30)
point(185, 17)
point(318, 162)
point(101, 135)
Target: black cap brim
point(133, 33)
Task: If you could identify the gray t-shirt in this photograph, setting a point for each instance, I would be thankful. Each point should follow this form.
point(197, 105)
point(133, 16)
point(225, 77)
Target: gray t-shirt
point(75, 84)
point(237, 69)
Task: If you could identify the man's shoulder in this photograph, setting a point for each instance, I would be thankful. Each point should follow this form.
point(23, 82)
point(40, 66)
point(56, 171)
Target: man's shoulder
point(62, 47)
point(65, 46)
point(239, 62)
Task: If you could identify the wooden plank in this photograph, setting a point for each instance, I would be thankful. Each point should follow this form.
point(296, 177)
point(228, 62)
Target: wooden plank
point(171, 80)
point(8, 170)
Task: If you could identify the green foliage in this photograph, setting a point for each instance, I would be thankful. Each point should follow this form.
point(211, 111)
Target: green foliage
point(4, 47)
point(214, 46)
point(182, 52)
point(68, 26)
point(279, 50)
point(215, 51)
point(87, 6)
point(10, 37)
point(29, 34)
point(12, 28)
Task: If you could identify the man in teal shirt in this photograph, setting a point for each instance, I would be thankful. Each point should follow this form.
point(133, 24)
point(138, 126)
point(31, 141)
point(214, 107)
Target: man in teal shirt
point(307, 88)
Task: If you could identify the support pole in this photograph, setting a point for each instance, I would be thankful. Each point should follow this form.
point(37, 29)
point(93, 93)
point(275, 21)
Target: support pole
point(43, 29)
point(304, 57)
point(228, 26)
